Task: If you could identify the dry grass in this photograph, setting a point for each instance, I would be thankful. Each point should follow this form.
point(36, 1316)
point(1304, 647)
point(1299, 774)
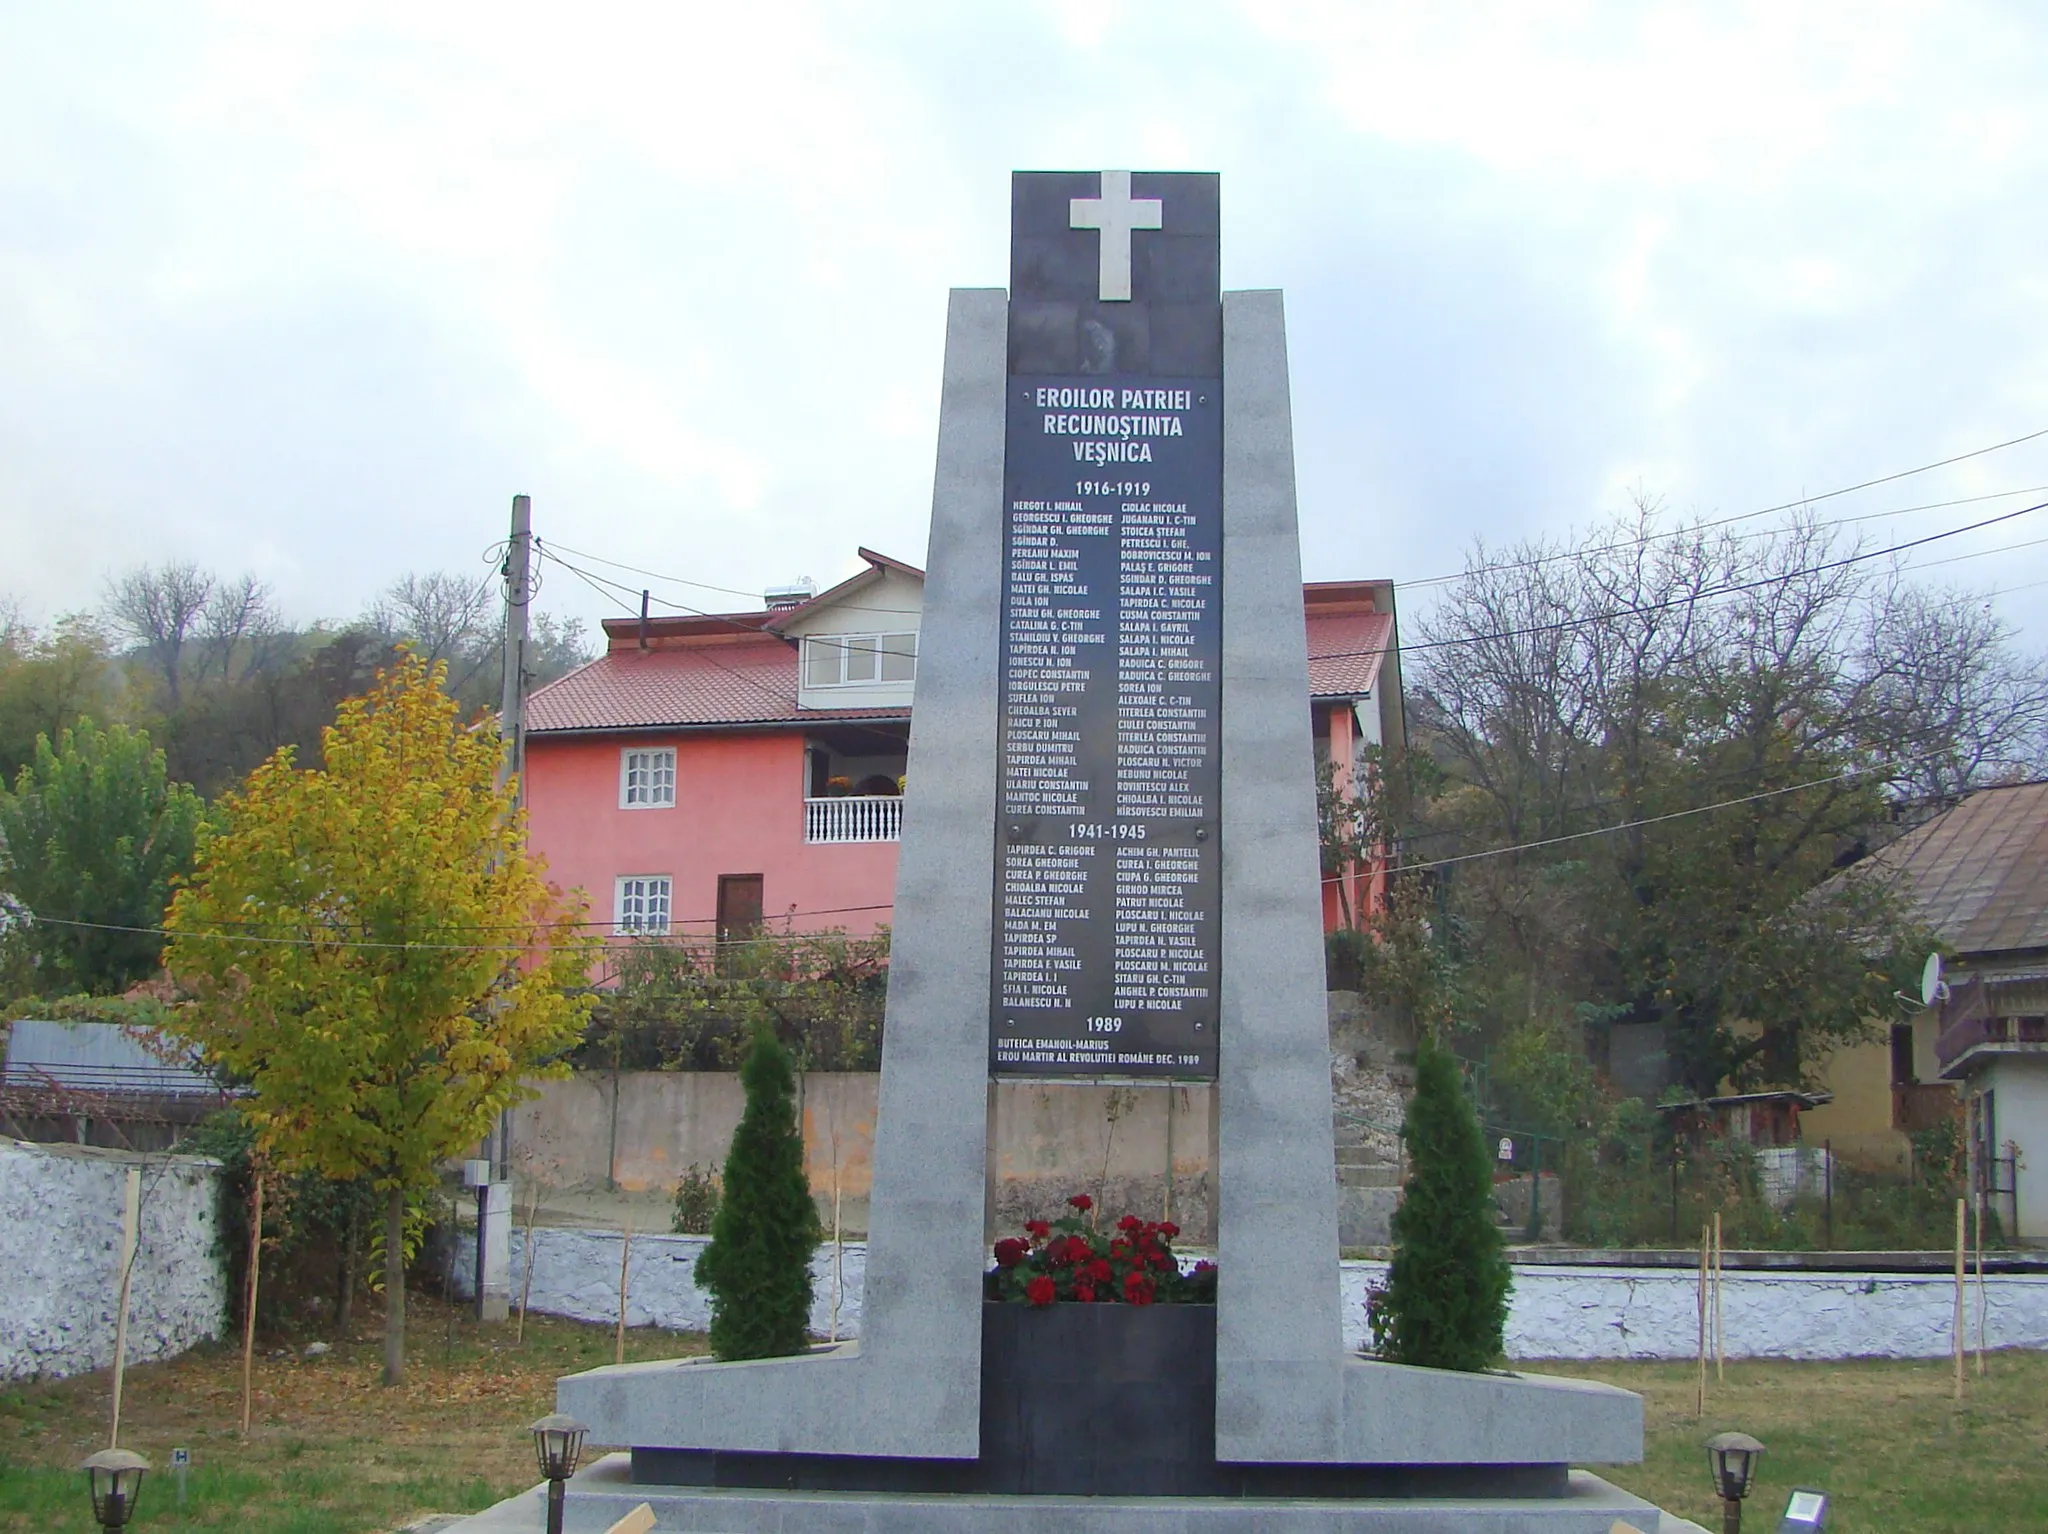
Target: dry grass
point(333, 1453)
point(330, 1451)
point(1883, 1438)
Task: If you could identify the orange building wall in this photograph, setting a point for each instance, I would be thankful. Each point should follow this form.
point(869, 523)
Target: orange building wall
point(739, 810)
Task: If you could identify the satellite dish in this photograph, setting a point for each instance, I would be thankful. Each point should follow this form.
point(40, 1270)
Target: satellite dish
point(1932, 987)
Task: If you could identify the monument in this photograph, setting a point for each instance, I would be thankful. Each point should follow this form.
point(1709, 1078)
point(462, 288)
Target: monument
point(1109, 870)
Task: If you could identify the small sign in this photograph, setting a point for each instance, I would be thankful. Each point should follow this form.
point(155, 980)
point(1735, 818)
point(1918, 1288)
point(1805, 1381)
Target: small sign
point(1507, 1149)
point(180, 1458)
point(1806, 1512)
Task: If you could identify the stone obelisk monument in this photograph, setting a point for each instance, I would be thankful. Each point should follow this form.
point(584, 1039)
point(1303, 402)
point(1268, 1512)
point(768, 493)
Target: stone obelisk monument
point(1109, 870)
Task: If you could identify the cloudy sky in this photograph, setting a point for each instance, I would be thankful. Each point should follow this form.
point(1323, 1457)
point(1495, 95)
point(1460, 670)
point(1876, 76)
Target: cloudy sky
point(311, 291)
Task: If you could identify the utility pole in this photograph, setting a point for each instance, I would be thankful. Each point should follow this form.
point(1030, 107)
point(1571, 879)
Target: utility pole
point(518, 598)
point(518, 571)
point(494, 1203)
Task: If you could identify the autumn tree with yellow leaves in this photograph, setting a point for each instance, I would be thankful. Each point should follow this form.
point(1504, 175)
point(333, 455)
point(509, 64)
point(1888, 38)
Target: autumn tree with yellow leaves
point(376, 953)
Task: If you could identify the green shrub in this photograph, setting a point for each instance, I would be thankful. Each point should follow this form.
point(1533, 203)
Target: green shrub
point(758, 1265)
point(1445, 1303)
point(696, 1203)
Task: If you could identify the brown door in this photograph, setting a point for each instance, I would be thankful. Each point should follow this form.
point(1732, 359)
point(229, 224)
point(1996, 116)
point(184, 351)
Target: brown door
point(739, 906)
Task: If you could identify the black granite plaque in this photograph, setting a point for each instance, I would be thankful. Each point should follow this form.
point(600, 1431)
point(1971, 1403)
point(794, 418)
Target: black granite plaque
point(1107, 871)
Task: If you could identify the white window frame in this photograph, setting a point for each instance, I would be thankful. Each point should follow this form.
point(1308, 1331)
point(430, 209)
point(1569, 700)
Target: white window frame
point(648, 890)
point(842, 646)
point(656, 793)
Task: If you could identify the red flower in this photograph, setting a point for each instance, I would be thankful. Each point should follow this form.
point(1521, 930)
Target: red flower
point(1137, 1289)
point(1161, 1261)
point(1040, 1290)
point(1085, 1293)
point(1038, 1228)
point(1056, 1249)
point(1082, 1202)
point(1168, 1229)
point(1011, 1252)
point(1120, 1249)
point(1129, 1222)
point(1099, 1271)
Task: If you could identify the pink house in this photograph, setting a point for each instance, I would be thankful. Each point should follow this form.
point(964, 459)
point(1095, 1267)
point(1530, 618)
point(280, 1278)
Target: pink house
point(706, 774)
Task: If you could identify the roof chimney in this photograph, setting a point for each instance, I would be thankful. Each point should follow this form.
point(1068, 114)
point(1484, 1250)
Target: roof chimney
point(780, 599)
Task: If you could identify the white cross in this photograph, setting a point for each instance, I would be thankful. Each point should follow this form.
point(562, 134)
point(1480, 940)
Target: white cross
point(1116, 213)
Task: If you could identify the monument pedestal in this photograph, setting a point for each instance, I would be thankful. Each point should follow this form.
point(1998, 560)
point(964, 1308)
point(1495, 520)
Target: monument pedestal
point(605, 1492)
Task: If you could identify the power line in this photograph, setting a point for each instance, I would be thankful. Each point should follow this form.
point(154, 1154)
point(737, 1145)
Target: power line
point(1805, 500)
point(367, 943)
point(1699, 596)
point(655, 575)
point(2003, 548)
point(1626, 825)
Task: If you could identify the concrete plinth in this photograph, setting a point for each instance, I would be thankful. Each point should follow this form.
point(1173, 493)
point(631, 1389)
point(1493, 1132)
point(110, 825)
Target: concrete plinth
point(604, 1493)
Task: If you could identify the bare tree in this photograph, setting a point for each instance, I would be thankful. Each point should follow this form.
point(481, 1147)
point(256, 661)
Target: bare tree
point(158, 608)
point(16, 632)
point(240, 621)
point(1942, 686)
point(445, 617)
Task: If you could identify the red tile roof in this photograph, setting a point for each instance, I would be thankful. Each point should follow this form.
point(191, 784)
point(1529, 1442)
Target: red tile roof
point(1344, 652)
point(744, 680)
point(714, 670)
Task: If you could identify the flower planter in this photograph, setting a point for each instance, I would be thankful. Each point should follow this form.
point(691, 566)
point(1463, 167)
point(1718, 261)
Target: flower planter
point(1098, 1400)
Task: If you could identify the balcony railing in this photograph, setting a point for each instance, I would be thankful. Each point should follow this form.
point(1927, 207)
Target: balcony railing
point(1959, 1038)
point(854, 818)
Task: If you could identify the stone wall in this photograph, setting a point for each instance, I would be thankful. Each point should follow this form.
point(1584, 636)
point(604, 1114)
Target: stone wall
point(641, 1131)
point(60, 1239)
point(1556, 1312)
point(576, 1274)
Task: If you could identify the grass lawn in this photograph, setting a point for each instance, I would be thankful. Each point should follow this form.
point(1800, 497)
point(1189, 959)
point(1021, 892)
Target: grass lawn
point(1884, 1439)
point(330, 1452)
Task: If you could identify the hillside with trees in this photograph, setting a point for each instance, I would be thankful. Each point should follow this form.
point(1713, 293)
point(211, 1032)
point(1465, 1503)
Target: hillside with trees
point(118, 726)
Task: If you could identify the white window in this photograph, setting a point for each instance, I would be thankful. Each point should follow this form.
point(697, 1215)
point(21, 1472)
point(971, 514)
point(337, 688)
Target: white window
point(852, 660)
point(641, 903)
point(647, 780)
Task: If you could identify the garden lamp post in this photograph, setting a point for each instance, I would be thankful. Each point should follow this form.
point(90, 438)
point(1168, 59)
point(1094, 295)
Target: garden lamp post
point(114, 1476)
point(558, 1443)
point(1731, 1459)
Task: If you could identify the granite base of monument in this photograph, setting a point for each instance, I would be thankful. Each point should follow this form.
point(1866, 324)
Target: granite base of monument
point(605, 1492)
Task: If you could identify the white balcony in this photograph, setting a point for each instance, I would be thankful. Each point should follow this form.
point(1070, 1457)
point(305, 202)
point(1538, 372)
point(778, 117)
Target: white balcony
point(854, 818)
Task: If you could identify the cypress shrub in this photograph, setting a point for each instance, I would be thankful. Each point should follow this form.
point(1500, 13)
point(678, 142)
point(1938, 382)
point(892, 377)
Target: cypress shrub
point(758, 1265)
point(1445, 1303)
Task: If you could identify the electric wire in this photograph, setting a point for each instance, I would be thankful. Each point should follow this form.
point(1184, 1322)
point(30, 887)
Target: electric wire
point(1794, 505)
point(1690, 597)
point(368, 943)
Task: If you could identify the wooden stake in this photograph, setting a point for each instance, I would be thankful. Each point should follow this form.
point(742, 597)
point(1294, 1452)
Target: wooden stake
point(1701, 1402)
point(838, 1244)
point(249, 1317)
point(625, 1252)
point(526, 1284)
point(131, 1223)
point(1720, 1267)
point(1960, 1204)
point(1981, 1300)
